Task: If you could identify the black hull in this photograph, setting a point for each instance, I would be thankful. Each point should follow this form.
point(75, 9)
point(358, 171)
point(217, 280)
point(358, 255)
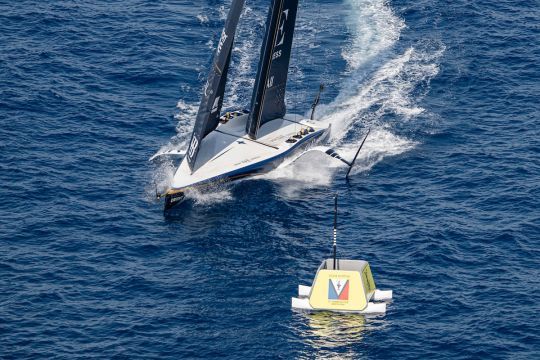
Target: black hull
point(172, 200)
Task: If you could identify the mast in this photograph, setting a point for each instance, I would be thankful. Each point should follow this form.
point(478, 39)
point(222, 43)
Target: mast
point(268, 99)
point(212, 99)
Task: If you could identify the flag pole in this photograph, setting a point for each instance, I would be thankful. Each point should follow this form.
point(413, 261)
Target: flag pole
point(335, 230)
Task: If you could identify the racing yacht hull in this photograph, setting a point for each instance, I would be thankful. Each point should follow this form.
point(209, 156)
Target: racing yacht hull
point(228, 154)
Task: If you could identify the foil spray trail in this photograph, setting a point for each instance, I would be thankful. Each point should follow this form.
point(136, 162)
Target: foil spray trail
point(377, 88)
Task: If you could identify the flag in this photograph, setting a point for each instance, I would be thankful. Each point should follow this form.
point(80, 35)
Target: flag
point(338, 289)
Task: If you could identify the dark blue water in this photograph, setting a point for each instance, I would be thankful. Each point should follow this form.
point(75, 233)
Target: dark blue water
point(444, 202)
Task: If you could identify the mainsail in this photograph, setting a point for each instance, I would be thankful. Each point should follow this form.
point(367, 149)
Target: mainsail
point(268, 100)
point(212, 99)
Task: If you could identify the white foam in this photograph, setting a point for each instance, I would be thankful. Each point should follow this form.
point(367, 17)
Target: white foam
point(380, 144)
point(223, 12)
point(378, 87)
point(161, 178)
point(209, 197)
point(203, 19)
point(374, 28)
point(390, 90)
point(378, 82)
point(163, 172)
point(186, 119)
point(316, 170)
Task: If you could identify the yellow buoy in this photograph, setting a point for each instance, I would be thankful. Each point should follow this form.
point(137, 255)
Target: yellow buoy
point(342, 285)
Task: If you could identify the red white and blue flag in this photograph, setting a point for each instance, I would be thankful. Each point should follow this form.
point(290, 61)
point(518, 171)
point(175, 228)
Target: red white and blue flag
point(338, 289)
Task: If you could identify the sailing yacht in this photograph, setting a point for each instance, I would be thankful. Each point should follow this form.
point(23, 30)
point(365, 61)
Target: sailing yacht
point(245, 142)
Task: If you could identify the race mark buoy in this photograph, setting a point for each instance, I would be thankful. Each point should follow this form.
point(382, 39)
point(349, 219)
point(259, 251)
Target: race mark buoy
point(343, 286)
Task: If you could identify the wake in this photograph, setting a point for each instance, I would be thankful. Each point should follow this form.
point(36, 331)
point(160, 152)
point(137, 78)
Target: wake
point(377, 89)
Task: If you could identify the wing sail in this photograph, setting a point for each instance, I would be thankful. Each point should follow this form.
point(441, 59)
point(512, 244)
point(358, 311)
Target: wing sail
point(212, 98)
point(268, 99)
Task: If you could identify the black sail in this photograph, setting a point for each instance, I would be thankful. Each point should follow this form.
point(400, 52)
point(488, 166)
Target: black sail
point(268, 100)
point(212, 99)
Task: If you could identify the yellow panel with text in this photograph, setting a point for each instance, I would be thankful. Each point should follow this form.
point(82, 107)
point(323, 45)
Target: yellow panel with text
point(369, 282)
point(338, 290)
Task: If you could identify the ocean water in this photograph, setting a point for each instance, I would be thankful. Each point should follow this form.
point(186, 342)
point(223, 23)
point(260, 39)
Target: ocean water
point(444, 201)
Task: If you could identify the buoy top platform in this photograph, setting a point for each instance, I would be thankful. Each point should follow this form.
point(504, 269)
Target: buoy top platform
point(343, 286)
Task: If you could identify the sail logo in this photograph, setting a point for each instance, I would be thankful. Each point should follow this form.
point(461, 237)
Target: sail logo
point(193, 147)
point(338, 289)
point(206, 87)
point(216, 105)
point(270, 82)
point(281, 34)
point(222, 40)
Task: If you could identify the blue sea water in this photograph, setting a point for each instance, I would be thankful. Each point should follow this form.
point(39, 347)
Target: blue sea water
point(444, 202)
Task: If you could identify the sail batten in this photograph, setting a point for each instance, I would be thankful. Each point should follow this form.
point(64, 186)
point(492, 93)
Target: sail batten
point(268, 99)
point(214, 89)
